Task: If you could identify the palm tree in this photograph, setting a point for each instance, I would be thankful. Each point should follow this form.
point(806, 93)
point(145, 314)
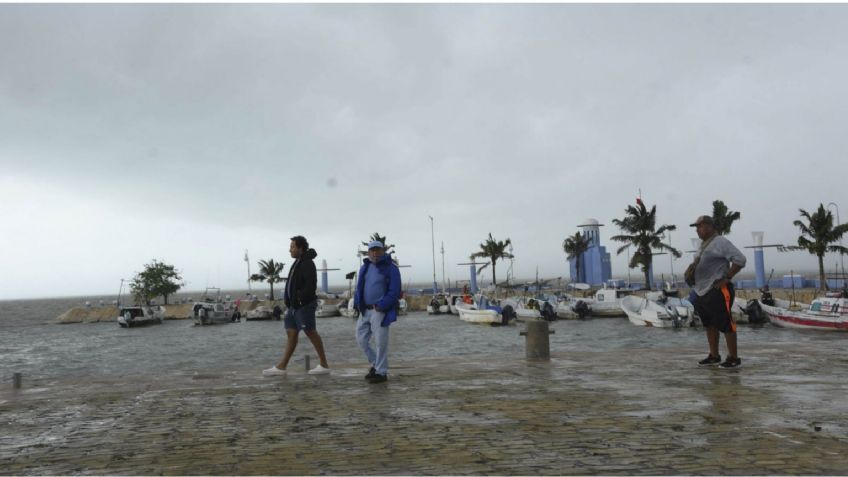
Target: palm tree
point(821, 232)
point(574, 246)
point(493, 250)
point(723, 218)
point(269, 271)
point(380, 238)
point(639, 227)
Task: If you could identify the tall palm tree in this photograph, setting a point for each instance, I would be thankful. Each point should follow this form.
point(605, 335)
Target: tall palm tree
point(723, 218)
point(574, 246)
point(821, 232)
point(380, 238)
point(269, 271)
point(639, 227)
point(493, 250)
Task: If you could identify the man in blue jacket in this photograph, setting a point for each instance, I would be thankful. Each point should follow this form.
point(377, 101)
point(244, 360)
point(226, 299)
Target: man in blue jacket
point(377, 295)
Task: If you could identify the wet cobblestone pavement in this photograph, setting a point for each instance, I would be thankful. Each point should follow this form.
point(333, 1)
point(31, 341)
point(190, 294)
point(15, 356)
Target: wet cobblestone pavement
point(638, 411)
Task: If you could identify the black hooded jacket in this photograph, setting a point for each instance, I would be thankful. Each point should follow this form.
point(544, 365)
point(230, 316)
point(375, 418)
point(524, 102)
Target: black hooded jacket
point(303, 281)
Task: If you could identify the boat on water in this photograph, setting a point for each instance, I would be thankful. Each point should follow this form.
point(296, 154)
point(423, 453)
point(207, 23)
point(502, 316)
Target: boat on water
point(569, 307)
point(133, 316)
point(455, 300)
point(532, 308)
point(263, 312)
point(607, 302)
point(346, 308)
point(829, 313)
point(643, 311)
point(438, 306)
point(484, 311)
point(209, 313)
point(326, 310)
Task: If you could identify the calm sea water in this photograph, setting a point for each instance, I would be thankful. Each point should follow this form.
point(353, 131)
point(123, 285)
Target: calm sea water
point(29, 344)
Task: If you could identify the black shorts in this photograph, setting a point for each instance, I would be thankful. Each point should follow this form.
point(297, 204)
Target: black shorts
point(714, 308)
point(302, 318)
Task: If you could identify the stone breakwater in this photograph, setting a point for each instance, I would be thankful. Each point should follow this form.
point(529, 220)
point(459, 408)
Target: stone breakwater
point(82, 314)
point(649, 411)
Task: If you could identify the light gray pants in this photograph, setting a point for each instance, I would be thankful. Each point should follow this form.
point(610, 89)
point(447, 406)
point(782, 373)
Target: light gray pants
point(368, 325)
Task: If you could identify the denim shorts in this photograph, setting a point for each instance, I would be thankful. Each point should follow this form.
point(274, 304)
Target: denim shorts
point(302, 318)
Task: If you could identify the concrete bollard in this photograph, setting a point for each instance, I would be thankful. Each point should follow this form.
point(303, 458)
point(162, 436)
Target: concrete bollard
point(307, 362)
point(538, 341)
point(17, 380)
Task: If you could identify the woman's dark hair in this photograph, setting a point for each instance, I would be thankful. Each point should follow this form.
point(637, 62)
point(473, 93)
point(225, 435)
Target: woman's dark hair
point(300, 242)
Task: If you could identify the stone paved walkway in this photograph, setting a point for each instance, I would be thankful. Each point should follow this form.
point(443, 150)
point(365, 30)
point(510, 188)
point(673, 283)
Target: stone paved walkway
point(648, 412)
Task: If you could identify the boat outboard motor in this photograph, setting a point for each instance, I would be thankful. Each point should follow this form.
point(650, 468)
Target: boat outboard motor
point(548, 313)
point(582, 309)
point(676, 321)
point(765, 296)
point(754, 312)
point(507, 314)
point(435, 304)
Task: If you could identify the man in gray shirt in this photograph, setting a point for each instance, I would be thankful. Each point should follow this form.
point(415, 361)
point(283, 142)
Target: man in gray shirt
point(716, 263)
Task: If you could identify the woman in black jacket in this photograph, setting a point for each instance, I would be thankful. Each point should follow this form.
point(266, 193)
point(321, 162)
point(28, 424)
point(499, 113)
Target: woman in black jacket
point(301, 302)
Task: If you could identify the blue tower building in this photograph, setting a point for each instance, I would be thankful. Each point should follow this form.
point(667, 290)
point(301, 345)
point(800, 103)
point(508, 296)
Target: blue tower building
point(595, 266)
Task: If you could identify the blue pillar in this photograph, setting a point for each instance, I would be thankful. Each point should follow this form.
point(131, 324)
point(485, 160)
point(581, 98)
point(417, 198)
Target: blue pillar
point(760, 267)
point(651, 280)
point(473, 269)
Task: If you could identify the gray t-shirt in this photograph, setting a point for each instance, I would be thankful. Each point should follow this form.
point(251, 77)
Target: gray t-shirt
point(715, 262)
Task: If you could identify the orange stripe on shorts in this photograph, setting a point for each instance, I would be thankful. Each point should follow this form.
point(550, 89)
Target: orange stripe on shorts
point(727, 304)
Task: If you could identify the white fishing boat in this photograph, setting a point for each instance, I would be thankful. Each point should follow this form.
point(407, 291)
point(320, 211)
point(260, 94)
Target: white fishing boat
point(325, 309)
point(569, 307)
point(455, 300)
point(261, 312)
point(642, 311)
point(532, 308)
point(346, 308)
point(483, 311)
point(132, 316)
point(607, 302)
point(208, 313)
point(438, 306)
point(829, 313)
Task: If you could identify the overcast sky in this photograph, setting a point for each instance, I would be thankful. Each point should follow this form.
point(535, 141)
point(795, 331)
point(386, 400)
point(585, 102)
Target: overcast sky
point(189, 133)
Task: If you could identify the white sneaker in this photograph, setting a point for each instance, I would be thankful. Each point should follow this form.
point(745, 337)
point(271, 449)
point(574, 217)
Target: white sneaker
point(319, 370)
point(273, 371)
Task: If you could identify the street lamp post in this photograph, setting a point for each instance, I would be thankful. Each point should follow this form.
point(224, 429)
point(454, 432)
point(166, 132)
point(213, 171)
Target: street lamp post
point(841, 257)
point(119, 292)
point(444, 287)
point(433, 243)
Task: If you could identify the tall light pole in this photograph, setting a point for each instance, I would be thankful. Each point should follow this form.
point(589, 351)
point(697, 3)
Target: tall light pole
point(247, 260)
point(841, 257)
point(433, 243)
point(444, 288)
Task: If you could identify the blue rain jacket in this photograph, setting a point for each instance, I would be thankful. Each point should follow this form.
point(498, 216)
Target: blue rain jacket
point(389, 303)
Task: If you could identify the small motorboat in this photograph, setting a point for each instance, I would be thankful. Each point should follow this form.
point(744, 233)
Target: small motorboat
point(326, 310)
point(438, 306)
point(642, 311)
point(483, 311)
point(346, 308)
point(261, 312)
point(132, 316)
point(829, 313)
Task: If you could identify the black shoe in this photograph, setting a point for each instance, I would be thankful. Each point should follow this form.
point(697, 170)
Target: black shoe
point(710, 360)
point(731, 363)
point(378, 378)
point(371, 373)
